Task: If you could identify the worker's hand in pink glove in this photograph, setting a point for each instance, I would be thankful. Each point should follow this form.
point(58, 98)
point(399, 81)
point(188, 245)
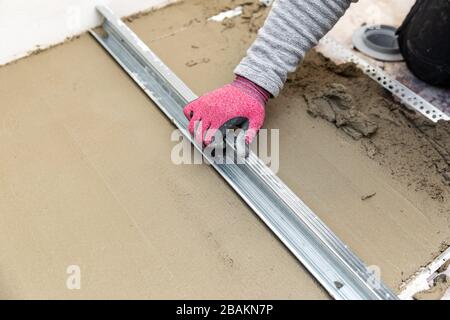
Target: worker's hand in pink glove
point(239, 104)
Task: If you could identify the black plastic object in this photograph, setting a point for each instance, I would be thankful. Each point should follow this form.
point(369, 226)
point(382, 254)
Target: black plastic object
point(378, 42)
point(424, 40)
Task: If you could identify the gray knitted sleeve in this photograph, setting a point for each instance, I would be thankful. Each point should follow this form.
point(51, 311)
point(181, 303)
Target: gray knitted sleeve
point(292, 28)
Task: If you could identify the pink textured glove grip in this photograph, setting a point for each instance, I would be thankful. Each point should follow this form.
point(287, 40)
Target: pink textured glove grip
point(240, 99)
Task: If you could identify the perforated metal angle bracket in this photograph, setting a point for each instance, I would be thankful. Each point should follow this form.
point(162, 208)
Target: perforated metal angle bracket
point(325, 256)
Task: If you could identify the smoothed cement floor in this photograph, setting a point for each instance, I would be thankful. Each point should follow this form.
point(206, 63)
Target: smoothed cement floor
point(86, 179)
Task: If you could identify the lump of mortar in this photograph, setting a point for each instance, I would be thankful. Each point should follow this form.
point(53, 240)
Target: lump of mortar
point(348, 69)
point(336, 105)
point(437, 291)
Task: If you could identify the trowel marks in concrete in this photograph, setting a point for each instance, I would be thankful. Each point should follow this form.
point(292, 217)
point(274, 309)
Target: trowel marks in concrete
point(416, 150)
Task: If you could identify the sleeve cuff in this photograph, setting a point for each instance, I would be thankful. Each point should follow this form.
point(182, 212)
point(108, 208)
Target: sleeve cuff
point(260, 78)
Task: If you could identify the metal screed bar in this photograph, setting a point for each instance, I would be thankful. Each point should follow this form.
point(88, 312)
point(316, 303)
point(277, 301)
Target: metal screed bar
point(326, 257)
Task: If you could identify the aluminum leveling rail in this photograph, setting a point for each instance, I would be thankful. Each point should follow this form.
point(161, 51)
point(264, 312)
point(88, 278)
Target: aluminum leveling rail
point(326, 257)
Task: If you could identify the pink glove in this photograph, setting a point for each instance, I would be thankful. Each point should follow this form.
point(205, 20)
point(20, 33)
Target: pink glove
point(240, 103)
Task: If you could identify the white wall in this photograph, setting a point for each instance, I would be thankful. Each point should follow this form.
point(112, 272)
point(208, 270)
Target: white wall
point(26, 25)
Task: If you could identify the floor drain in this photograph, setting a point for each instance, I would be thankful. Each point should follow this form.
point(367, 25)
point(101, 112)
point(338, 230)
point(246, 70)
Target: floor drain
point(378, 42)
